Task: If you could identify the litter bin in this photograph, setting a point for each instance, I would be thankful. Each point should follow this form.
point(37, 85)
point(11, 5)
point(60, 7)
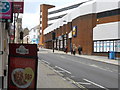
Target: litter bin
point(111, 55)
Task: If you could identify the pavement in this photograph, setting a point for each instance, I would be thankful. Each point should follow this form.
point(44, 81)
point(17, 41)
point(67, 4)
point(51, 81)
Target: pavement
point(48, 78)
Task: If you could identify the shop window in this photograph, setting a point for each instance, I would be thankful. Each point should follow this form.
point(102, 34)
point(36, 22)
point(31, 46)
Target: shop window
point(118, 46)
point(115, 46)
point(57, 43)
point(105, 46)
point(101, 46)
point(108, 46)
point(95, 46)
point(111, 46)
point(98, 46)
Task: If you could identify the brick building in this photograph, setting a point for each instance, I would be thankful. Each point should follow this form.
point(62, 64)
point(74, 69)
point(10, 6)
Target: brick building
point(93, 25)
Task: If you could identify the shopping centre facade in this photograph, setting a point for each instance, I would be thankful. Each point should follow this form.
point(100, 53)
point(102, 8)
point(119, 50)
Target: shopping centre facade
point(93, 24)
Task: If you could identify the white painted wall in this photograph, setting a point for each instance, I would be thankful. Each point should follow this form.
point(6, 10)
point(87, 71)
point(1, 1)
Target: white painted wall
point(106, 31)
point(105, 5)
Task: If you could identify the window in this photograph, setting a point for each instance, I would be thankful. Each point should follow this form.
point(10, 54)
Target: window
point(108, 13)
point(98, 49)
point(111, 46)
point(118, 46)
point(34, 36)
point(95, 46)
point(108, 46)
point(34, 30)
point(66, 8)
point(105, 46)
point(115, 45)
point(101, 46)
point(57, 17)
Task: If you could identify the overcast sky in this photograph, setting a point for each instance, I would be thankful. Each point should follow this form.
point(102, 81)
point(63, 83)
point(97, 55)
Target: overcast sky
point(32, 10)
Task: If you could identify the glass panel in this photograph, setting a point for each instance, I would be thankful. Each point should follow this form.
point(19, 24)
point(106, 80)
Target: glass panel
point(61, 44)
point(115, 46)
point(65, 42)
point(101, 46)
point(58, 44)
point(95, 47)
point(55, 44)
point(98, 46)
point(108, 46)
point(111, 45)
point(105, 46)
point(118, 46)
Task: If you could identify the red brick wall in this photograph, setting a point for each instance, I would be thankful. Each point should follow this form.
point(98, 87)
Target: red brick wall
point(84, 37)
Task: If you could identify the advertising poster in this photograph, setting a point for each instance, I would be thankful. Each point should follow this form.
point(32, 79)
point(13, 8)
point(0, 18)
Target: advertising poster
point(22, 68)
point(74, 32)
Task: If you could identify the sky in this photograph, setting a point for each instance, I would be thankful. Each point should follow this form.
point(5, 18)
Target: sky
point(31, 14)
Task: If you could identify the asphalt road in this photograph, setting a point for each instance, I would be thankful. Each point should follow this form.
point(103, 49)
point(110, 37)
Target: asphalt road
point(89, 73)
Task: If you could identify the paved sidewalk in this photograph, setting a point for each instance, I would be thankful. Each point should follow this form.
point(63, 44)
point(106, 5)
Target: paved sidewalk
point(92, 57)
point(47, 78)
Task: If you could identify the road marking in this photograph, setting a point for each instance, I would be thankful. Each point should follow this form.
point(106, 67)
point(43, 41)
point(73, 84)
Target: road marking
point(86, 83)
point(63, 69)
point(60, 71)
point(72, 76)
point(45, 62)
point(95, 84)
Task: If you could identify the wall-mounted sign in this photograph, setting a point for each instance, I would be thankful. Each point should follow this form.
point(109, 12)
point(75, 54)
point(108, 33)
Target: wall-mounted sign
point(74, 31)
point(18, 7)
point(5, 10)
point(22, 67)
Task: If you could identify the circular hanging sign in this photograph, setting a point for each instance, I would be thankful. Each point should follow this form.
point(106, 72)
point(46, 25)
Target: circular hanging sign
point(4, 6)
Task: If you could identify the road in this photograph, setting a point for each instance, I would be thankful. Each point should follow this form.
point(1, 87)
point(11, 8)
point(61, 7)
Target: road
point(86, 72)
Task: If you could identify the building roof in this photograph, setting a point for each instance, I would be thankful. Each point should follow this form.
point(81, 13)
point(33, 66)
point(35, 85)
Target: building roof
point(67, 5)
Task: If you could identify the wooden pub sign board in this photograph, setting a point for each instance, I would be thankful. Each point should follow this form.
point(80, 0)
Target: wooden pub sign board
point(22, 66)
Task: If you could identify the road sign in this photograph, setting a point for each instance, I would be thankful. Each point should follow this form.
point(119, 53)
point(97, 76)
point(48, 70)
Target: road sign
point(5, 10)
point(18, 6)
